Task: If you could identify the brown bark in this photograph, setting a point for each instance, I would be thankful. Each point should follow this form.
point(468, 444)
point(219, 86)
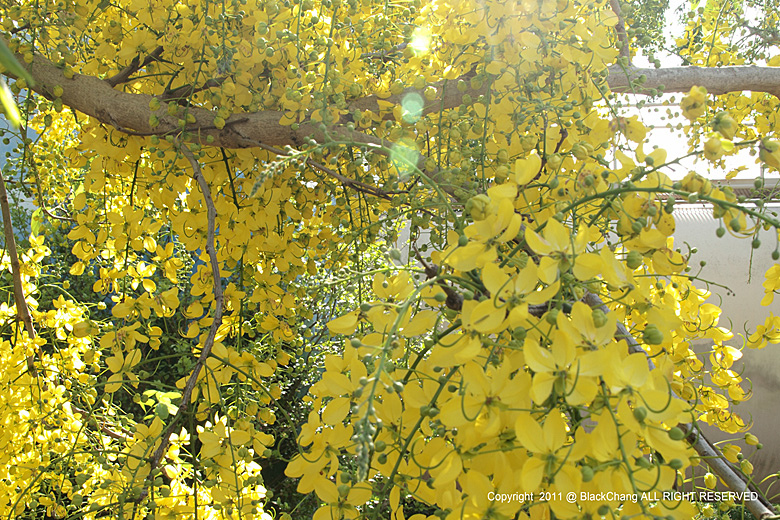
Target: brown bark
point(22, 311)
point(130, 112)
point(10, 244)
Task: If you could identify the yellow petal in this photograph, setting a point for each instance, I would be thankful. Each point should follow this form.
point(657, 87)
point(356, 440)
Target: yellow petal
point(554, 431)
point(533, 471)
point(528, 168)
point(344, 324)
point(537, 243)
point(539, 359)
point(587, 266)
point(529, 433)
point(116, 362)
point(335, 411)
point(240, 437)
point(422, 322)
point(494, 278)
point(486, 318)
point(327, 491)
point(114, 383)
point(548, 270)
point(542, 386)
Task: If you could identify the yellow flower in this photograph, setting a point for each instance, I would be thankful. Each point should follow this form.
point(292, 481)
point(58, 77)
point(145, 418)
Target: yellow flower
point(120, 366)
point(501, 224)
point(771, 284)
point(769, 152)
point(544, 442)
point(558, 246)
point(341, 501)
point(768, 332)
point(562, 371)
point(694, 103)
point(483, 411)
point(725, 125)
point(582, 330)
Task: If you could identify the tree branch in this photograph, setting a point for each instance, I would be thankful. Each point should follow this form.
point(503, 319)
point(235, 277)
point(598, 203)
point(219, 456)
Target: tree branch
point(717, 80)
point(10, 243)
point(620, 29)
point(124, 75)
point(130, 113)
point(761, 508)
point(22, 311)
point(186, 395)
point(124, 435)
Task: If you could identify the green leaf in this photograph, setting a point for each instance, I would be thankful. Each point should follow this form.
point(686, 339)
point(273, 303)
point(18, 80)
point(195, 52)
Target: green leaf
point(9, 105)
point(36, 221)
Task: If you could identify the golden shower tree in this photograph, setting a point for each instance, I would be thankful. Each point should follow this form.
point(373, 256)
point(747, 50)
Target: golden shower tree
point(426, 239)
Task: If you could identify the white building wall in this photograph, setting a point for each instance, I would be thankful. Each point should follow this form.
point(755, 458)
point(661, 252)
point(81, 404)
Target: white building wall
point(732, 262)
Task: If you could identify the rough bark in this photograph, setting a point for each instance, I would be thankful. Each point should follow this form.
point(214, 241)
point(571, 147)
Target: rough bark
point(717, 80)
point(130, 112)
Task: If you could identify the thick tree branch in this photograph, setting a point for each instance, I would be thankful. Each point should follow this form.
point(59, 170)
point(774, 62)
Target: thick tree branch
point(717, 80)
point(22, 311)
point(130, 113)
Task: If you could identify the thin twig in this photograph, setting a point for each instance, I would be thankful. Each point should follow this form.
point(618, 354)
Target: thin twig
point(454, 300)
point(186, 396)
point(620, 29)
point(186, 91)
point(124, 436)
point(124, 75)
point(39, 193)
point(19, 29)
point(385, 54)
point(350, 183)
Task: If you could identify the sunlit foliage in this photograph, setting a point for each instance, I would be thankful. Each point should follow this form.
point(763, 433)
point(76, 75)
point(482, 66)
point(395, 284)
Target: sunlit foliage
point(444, 257)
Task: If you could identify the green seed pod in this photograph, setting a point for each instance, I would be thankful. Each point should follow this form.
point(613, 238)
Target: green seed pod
point(652, 335)
point(587, 473)
point(599, 318)
point(478, 206)
point(634, 259)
